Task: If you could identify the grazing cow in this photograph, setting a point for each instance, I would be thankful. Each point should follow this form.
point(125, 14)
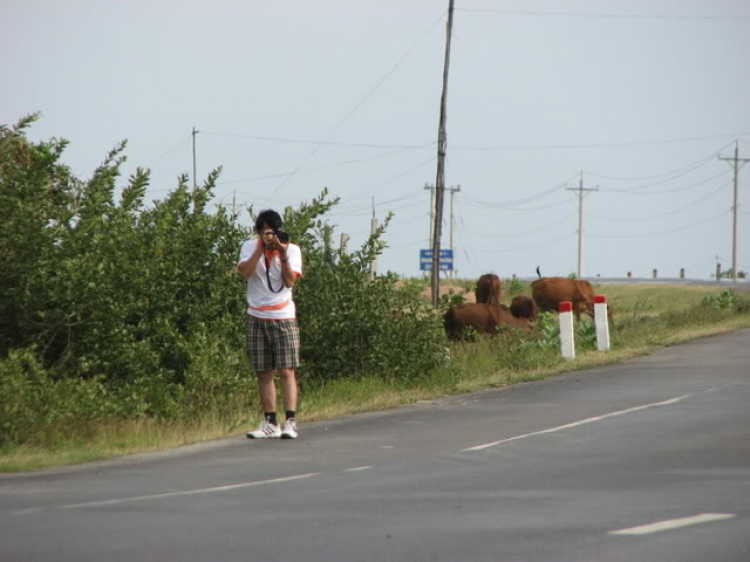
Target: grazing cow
point(549, 292)
point(524, 307)
point(488, 289)
point(484, 318)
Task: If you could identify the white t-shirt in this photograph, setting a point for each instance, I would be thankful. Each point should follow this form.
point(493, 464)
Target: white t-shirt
point(263, 302)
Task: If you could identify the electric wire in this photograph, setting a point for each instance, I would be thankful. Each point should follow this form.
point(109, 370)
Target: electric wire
point(620, 144)
point(639, 191)
point(521, 248)
point(392, 178)
point(325, 167)
point(517, 202)
point(667, 214)
point(286, 140)
point(691, 166)
point(360, 103)
point(484, 205)
point(670, 231)
point(608, 15)
point(524, 233)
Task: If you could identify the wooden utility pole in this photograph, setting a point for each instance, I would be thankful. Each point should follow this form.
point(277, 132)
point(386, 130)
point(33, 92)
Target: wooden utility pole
point(737, 163)
point(440, 180)
point(580, 189)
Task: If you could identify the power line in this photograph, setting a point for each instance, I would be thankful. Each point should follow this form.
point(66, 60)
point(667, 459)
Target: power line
point(611, 15)
point(678, 229)
point(522, 248)
point(526, 233)
point(640, 190)
point(390, 179)
point(325, 167)
point(600, 145)
point(360, 103)
point(483, 205)
point(689, 167)
point(518, 202)
point(286, 140)
point(662, 215)
point(481, 148)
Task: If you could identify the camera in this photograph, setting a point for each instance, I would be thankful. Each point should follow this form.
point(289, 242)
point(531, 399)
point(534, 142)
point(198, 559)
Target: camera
point(282, 236)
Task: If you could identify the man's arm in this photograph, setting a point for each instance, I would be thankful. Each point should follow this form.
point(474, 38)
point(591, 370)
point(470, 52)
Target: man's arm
point(287, 273)
point(247, 267)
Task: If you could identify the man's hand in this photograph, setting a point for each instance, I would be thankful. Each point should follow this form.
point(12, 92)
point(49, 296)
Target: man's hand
point(275, 244)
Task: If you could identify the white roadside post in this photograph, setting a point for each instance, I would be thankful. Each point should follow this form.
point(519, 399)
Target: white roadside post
point(601, 321)
point(567, 343)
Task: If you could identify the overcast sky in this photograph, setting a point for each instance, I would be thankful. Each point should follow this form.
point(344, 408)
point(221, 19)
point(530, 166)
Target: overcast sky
point(638, 99)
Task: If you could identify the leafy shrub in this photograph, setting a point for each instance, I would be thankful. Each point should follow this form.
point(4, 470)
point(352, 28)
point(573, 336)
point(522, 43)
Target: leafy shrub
point(451, 299)
point(548, 327)
point(586, 334)
point(515, 286)
point(352, 326)
point(524, 355)
point(727, 298)
point(33, 405)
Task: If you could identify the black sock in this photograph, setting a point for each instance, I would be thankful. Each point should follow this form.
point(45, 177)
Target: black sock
point(290, 414)
point(271, 417)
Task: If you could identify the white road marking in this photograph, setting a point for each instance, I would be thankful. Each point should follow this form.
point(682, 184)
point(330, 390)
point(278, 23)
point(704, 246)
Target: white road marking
point(189, 492)
point(357, 468)
point(578, 423)
point(387, 447)
point(673, 524)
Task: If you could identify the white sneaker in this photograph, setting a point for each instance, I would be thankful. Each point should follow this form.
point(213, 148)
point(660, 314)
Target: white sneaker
point(290, 430)
point(267, 430)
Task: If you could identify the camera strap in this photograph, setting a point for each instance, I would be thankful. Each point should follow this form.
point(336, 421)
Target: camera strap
point(268, 276)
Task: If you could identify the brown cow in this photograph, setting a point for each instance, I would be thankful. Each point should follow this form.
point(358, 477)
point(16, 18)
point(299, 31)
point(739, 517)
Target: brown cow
point(524, 307)
point(488, 289)
point(484, 318)
point(549, 292)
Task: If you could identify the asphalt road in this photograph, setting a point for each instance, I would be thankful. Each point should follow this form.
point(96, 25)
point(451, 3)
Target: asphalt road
point(648, 460)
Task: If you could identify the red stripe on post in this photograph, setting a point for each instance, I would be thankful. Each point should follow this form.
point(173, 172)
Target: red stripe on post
point(566, 306)
point(600, 299)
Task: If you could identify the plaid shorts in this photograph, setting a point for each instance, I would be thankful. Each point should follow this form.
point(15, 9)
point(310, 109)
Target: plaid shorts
point(272, 344)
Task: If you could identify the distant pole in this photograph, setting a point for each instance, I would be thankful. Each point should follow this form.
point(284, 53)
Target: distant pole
point(195, 132)
point(737, 163)
point(373, 230)
point(344, 247)
point(454, 190)
point(440, 180)
point(580, 189)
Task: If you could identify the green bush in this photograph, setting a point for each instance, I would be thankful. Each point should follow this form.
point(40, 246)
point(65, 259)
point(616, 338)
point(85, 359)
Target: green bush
point(725, 299)
point(353, 326)
point(515, 286)
point(32, 404)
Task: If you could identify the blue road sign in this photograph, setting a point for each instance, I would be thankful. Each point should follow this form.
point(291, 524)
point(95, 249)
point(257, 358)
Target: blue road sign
point(445, 260)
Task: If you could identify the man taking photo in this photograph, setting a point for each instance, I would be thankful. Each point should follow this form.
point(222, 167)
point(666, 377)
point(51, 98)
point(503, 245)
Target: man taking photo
point(271, 265)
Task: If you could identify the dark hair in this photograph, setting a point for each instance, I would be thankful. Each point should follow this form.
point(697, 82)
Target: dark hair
point(270, 218)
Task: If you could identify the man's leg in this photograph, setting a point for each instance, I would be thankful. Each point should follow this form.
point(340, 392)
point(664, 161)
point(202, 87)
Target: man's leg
point(267, 391)
point(288, 389)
